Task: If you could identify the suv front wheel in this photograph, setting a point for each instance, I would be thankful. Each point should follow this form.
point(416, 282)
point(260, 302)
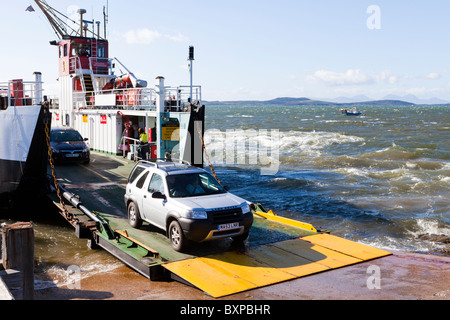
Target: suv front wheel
point(176, 236)
point(134, 217)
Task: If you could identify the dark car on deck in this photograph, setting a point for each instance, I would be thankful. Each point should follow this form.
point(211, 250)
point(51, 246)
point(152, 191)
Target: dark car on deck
point(69, 146)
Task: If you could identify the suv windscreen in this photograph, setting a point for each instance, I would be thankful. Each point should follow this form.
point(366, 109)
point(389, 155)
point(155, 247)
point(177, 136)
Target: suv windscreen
point(193, 185)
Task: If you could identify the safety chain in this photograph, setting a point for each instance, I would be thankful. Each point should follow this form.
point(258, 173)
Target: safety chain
point(206, 153)
point(67, 215)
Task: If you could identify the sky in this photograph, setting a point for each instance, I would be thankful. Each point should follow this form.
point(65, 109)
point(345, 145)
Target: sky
point(255, 50)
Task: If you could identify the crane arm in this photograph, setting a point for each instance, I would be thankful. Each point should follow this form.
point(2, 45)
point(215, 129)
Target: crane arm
point(61, 27)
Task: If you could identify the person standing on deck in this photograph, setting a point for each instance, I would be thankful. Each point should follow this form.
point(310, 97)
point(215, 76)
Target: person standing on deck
point(144, 144)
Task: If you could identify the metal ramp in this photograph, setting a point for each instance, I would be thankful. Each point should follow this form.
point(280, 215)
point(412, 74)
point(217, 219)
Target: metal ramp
point(278, 249)
point(228, 273)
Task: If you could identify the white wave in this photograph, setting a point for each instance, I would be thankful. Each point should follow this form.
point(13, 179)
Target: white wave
point(61, 277)
point(427, 226)
point(309, 143)
point(312, 142)
point(239, 116)
point(352, 171)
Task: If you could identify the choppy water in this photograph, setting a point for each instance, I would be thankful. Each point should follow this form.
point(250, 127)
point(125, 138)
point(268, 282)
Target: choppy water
point(382, 179)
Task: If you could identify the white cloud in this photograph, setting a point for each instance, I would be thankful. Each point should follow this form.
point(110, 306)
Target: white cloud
point(141, 36)
point(147, 36)
point(386, 76)
point(178, 38)
point(351, 77)
point(331, 78)
point(433, 76)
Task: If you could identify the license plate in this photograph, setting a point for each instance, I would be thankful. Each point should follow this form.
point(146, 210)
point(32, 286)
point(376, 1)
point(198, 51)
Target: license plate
point(72, 155)
point(228, 226)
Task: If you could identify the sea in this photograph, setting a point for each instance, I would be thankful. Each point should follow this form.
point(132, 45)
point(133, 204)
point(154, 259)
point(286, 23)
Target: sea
point(381, 179)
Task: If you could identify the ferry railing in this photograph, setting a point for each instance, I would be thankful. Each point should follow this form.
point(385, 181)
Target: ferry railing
point(20, 93)
point(127, 142)
point(123, 99)
point(131, 145)
point(176, 99)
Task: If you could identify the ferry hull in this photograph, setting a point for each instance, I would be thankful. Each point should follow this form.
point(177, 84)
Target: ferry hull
point(23, 161)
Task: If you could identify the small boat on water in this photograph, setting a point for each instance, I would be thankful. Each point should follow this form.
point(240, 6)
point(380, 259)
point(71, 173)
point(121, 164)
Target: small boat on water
point(351, 112)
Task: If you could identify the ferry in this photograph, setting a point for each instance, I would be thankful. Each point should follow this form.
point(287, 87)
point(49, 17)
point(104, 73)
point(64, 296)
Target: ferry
point(23, 152)
point(107, 104)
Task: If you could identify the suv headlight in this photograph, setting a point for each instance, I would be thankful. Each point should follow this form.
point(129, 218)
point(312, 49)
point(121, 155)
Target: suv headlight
point(197, 214)
point(245, 208)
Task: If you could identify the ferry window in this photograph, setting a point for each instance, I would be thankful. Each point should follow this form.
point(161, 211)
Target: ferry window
point(156, 184)
point(81, 50)
point(60, 52)
point(101, 52)
point(65, 50)
point(141, 181)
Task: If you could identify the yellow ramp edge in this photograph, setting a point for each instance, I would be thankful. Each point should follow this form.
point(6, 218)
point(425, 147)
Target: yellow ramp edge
point(291, 264)
point(227, 273)
point(347, 247)
point(216, 282)
point(294, 223)
point(317, 254)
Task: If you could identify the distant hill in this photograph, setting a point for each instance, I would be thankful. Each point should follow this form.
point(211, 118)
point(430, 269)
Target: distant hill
point(286, 101)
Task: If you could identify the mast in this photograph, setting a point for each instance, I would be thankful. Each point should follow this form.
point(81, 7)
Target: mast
point(58, 21)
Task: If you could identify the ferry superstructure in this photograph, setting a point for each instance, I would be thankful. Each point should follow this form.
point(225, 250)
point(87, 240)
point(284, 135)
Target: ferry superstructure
point(106, 103)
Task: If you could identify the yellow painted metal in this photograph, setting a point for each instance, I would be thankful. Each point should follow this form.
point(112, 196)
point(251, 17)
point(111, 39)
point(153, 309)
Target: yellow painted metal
point(246, 267)
point(347, 247)
point(273, 217)
point(317, 254)
point(216, 282)
point(282, 260)
point(232, 272)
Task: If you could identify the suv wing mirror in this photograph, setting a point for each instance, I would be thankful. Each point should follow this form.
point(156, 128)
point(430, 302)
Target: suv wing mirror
point(158, 195)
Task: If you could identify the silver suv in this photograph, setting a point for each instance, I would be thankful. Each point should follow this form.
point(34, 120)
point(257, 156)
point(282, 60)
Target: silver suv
point(185, 201)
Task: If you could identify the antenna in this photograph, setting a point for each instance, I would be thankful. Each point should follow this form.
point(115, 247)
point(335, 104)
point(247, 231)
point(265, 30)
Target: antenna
point(105, 17)
point(191, 59)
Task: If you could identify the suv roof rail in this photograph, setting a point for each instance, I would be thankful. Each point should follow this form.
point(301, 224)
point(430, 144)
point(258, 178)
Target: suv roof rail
point(155, 162)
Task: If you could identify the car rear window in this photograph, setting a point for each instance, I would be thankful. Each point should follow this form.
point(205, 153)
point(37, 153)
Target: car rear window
point(141, 181)
point(136, 173)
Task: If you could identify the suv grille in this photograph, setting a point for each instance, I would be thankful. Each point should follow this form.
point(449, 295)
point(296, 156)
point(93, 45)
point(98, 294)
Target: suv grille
point(226, 215)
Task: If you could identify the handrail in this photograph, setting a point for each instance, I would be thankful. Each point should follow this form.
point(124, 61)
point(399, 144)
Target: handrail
point(20, 93)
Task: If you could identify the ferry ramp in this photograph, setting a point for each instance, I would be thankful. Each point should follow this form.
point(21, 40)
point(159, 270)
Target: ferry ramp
point(277, 250)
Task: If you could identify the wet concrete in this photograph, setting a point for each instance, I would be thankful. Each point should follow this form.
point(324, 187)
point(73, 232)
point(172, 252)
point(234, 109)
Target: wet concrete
point(402, 276)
